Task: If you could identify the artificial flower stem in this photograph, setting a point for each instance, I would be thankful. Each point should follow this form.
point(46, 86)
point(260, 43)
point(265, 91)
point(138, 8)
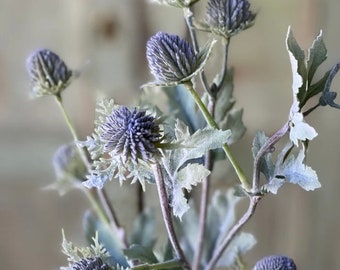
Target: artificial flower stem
point(106, 206)
point(204, 200)
point(166, 213)
point(72, 130)
point(211, 122)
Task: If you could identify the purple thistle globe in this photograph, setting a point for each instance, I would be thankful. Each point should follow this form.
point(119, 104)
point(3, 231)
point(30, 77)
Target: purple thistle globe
point(90, 264)
point(171, 58)
point(48, 73)
point(131, 134)
point(275, 262)
point(228, 17)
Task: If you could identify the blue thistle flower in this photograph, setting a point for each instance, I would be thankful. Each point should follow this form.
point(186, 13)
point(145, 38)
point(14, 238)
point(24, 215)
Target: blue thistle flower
point(172, 60)
point(90, 264)
point(131, 134)
point(275, 262)
point(228, 17)
point(48, 73)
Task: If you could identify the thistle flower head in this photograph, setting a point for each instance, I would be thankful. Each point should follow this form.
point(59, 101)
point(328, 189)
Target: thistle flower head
point(228, 17)
point(171, 58)
point(90, 264)
point(275, 262)
point(48, 73)
point(131, 134)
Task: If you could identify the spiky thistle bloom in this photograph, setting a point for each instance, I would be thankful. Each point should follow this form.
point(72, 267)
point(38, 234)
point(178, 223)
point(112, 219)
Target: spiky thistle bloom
point(172, 60)
point(90, 264)
point(228, 17)
point(48, 73)
point(131, 134)
point(275, 262)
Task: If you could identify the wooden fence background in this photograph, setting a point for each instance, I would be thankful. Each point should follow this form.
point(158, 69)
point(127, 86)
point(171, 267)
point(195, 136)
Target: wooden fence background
point(111, 34)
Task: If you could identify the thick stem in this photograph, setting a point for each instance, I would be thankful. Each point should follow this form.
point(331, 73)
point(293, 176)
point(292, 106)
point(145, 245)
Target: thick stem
point(166, 213)
point(211, 122)
point(232, 233)
point(204, 200)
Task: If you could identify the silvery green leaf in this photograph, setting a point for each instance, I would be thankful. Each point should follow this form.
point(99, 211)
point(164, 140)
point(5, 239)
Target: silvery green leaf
point(240, 245)
point(299, 70)
point(181, 169)
point(317, 54)
point(274, 184)
point(300, 130)
point(195, 145)
point(295, 171)
point(189, 176)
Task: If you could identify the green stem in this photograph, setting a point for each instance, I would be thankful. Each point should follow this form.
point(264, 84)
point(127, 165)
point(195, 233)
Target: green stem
point(211, 122)
point(72, 130)
point(175, 263)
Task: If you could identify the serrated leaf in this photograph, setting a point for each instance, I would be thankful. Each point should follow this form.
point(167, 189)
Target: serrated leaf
point(189, 176)
point(195, 145)
point(181, 169)
point(143, 231)
point(296, 172)
point(300, 130)
point(299, 70)
point(140, 253)
point(317, 54)
point(274, 184)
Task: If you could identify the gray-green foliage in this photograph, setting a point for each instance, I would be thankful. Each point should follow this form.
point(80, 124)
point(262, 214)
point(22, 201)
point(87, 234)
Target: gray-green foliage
point(181, 170)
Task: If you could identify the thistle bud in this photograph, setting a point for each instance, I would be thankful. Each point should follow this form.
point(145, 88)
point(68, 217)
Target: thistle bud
point(131, 134)
point(172, 60)
point(228, 17)
point(90, 264)
point(274, 262)
point(48, 73)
